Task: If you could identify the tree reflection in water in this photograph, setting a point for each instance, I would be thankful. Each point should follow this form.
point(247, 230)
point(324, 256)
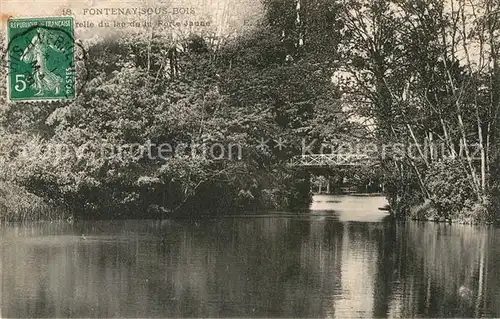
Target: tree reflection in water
point(280, 266)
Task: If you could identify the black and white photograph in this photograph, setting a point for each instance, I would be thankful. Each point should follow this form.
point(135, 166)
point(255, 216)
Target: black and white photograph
point(249, 159)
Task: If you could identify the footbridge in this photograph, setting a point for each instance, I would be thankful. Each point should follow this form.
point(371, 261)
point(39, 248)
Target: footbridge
point(333, 159)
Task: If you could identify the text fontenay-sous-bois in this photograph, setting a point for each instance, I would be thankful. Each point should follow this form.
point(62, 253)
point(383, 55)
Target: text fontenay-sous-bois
point(144, 11)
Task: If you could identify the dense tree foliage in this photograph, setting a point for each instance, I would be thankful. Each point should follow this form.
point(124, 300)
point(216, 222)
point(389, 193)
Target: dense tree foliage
point(422, 74)
point(428, 72)
point(214, 104)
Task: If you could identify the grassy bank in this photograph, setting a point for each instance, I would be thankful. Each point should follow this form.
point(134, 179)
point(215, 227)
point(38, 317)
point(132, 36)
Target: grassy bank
point(16, 204)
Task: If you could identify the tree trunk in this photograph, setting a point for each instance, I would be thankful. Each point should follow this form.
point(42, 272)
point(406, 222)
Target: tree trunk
point(466, 150)
point(417, 145)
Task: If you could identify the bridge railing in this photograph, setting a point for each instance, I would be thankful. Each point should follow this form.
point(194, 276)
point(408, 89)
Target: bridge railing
point(335, 159)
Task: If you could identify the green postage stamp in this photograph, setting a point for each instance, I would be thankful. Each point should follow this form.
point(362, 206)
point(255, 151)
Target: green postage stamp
point(41, 58)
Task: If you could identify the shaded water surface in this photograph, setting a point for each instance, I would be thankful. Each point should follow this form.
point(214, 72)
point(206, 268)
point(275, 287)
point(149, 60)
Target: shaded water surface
point(342, 259)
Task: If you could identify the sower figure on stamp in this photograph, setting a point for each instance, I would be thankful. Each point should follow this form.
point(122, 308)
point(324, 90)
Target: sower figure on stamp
point(43, 79)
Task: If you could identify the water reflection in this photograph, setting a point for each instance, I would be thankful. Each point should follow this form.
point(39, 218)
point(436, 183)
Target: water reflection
point(317, 265)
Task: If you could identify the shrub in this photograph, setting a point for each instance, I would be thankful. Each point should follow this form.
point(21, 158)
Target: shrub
point(453, 194)
point(402, 190)
point(425, 211)
point(16, 204)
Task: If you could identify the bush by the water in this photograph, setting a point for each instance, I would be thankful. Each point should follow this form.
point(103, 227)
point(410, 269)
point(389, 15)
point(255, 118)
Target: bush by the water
point(453, 193)
point(16, 204)
point(450, 188)
point(452, 196)
point(402, 190)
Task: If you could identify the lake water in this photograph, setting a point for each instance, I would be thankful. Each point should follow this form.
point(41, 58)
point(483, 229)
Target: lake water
point(344, 258)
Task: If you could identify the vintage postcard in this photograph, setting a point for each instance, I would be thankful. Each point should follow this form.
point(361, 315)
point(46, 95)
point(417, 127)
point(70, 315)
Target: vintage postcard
point(249, 158)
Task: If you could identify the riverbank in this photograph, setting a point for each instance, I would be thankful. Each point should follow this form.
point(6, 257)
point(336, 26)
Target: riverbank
point(16, 204)
point(105, 203)
point(475, 214)
point(19, 205)
point(442, 192)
